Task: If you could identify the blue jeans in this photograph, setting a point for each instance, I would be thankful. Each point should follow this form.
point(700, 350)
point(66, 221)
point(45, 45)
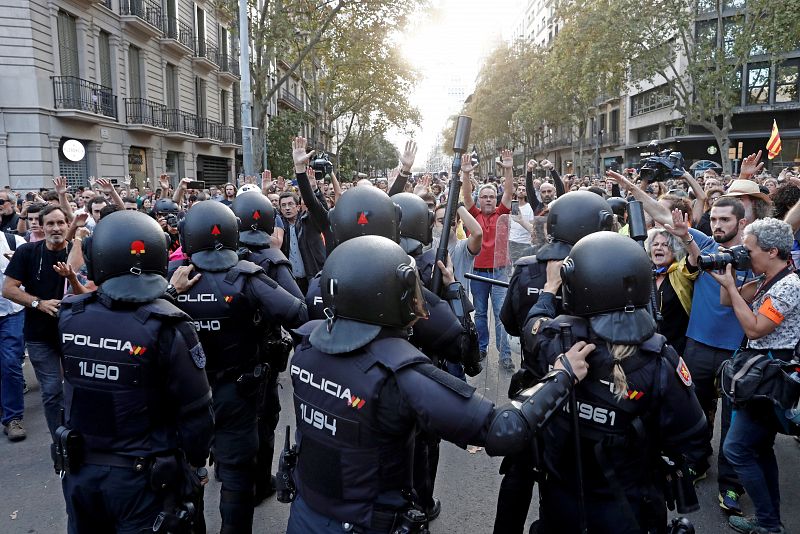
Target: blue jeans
point(46, 360)
point(749, 449)
point(12, 351)
point(481, 291)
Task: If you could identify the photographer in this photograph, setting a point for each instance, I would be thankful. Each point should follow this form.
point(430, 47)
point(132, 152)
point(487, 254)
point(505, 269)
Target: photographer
point(769, 314)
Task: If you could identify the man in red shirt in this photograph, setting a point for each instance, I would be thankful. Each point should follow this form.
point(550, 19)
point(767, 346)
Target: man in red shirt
point(490, 263)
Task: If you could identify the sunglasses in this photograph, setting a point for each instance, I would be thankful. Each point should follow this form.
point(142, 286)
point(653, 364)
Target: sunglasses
point(3, 201)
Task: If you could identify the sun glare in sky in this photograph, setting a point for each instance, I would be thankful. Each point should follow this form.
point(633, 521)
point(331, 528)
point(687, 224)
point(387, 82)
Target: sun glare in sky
point(446, 44)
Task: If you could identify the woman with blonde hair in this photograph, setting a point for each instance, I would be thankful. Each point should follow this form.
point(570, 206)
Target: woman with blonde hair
point(635, 405)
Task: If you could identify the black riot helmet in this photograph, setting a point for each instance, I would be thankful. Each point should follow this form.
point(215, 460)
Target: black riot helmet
point(256, 218)
point(619, 206)
point(166, 205)
point(571, 217)
point(127, 257)
point(608, 277)
point(364, 210)
point(416, 224)
point(210, 236)
point(382, 291)
point(605, 272)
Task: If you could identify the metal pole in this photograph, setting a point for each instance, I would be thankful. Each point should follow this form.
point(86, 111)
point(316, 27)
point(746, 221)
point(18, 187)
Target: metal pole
point(244, 90)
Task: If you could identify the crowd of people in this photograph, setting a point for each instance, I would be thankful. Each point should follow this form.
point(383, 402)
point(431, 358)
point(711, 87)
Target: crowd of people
point(268, 266)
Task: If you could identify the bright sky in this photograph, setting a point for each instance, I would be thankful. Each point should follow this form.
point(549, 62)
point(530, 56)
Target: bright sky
point(446, 44)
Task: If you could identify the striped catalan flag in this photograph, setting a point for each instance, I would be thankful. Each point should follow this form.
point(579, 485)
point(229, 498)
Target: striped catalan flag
point(774, 144)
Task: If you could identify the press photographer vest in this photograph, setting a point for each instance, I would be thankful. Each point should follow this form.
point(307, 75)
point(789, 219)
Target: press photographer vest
point(346, 464)
point(113, 382)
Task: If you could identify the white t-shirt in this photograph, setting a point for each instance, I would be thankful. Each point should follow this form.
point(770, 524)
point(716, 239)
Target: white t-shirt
point(517, 233)
point(780, 303)
point(6, 306)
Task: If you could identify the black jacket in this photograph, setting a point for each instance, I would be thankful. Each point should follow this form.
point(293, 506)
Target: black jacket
point(309, 226)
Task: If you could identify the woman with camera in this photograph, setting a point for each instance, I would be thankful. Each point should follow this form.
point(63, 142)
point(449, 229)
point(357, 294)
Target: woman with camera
point(768, 311)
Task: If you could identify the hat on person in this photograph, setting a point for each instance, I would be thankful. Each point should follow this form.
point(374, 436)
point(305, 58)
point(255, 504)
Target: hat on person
point(744, 187)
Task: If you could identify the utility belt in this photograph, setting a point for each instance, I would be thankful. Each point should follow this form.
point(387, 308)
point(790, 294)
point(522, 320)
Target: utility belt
point(247, 379)
point(411, 521)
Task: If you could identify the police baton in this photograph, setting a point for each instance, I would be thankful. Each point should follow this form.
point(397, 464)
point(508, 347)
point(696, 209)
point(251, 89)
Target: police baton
point(566, 344)
point(460, 142)
point(479, 278)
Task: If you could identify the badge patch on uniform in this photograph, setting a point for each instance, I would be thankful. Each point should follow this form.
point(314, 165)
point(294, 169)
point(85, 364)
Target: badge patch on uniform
point(198, 356)
point(538, 324)
point(683, 372)
point(228, 299)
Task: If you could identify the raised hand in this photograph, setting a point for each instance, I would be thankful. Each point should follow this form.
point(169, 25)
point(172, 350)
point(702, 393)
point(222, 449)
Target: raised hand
point(60, 183)
point(299, 154)
point(532, 164)
point(546, 164)
point(163, 181)
point(408, 156)
point(751, 165)
point(507, 159)
point(680, 224)
point(105, 185)
point(466, 164)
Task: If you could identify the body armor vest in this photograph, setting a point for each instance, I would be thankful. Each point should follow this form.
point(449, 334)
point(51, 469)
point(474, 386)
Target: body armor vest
point(524, 288)
point(316, 308)
point(224, 318)
point(346, 463)
point(425, 263)
point(614, 433)
point(113, 383)
point(269, 259)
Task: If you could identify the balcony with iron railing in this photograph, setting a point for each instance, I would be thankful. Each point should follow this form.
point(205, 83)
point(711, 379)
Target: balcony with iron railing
point(181, 123)
point(145, 113)
point(205, 55)
point(228, 66)
point(142, 15)
point(288, 99)
point(178, 36)
point(77, 95)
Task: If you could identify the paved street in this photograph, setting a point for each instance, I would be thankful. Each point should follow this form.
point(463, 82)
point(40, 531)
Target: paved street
point(467, 483)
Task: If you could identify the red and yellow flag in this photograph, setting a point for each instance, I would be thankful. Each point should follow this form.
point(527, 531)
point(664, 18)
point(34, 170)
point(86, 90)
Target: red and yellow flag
point(774, 143)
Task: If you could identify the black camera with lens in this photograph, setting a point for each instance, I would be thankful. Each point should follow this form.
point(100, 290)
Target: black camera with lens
point(322, 165)
point(662, 165)
point(737, 256)
point(172, 220)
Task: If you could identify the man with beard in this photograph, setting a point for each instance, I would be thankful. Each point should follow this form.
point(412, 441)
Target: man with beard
point(32, 267)
point(8, 212)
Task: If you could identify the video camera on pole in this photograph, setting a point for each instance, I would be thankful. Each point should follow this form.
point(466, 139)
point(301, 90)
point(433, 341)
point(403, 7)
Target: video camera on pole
point(662, 165)
point(460, 142)
point(322, 165)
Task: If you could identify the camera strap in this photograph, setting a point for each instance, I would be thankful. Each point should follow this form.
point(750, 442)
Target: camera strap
point(767, 284)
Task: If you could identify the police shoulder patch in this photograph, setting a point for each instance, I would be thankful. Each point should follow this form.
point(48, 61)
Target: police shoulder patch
point(683, 372)
point(538, 324)
point(198, 356)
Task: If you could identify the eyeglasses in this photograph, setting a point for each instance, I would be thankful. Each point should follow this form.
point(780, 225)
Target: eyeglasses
point(3, 201)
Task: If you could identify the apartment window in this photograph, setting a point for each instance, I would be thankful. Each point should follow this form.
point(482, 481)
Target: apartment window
point(731, 28)
point(68, 44)
point(200, 30)
point(613, 134)
point(786, 81)
point(706, 32)
point(758, 83)
point(104, 59)
point(134, 72)
point(656, 98)
point(200, 96)
point(171, 86)
point(223, 107)
point(734, 4)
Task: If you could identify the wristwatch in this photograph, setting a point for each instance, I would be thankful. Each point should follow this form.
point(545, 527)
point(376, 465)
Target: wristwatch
point(35, 304)
point(171, 291)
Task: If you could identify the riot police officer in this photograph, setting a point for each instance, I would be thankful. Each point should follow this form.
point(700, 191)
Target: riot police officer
point(256, 224)
point(636, 403)
point(571, 217)
point(137, 401)
point(361, 389)
point(416, 231)
point(167, 214)
point(231, 304)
